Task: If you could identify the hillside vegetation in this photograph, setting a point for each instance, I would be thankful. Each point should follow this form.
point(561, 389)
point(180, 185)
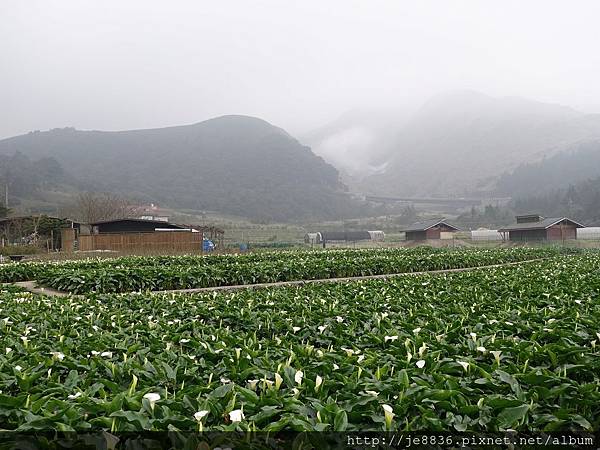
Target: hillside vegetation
point(575, 165)
point(580, 201)
point(232, 164)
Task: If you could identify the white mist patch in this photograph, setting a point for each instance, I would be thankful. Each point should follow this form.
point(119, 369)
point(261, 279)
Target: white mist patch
point(350, 150)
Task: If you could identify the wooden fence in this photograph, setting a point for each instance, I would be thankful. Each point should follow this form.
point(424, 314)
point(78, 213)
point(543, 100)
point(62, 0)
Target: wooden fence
point(152, 242)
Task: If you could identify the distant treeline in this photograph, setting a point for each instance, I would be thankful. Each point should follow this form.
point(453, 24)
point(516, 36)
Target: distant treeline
point(580, 201)
point(566, 184)
point(25, 177)
point(559, 171)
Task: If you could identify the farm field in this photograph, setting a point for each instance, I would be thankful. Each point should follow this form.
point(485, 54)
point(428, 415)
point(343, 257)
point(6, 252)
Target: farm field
point(169, 273)
point(513, 347)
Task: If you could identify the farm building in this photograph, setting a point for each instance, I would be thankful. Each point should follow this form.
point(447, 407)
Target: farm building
point(142, 235)
point(323, 237)
point(152, 212)
point(429, 229)
point(533, 227)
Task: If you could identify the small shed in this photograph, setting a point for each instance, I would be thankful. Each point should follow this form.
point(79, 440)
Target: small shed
point(533, 227)
point(312, 238)
point(322, 237)
point(133, 226)
point(429, 229)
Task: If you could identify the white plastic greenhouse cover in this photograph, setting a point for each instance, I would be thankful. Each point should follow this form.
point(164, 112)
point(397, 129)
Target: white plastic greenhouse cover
point(486, 235)
point(588, 233)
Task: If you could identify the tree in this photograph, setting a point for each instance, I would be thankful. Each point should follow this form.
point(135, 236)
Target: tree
point(409, 215)
point(93, 207)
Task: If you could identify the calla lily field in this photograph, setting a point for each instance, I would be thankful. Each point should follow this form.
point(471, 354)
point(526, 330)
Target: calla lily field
point(510, 347)
point(181, 272)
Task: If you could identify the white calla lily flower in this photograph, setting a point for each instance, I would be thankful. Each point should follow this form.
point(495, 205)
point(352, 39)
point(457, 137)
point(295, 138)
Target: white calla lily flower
point(318, 383)
point(237, 415)
point(201, 415)
point(389, 415)
point(152, 398)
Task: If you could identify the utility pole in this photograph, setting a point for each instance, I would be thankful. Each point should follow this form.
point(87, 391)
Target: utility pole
point(6, 195)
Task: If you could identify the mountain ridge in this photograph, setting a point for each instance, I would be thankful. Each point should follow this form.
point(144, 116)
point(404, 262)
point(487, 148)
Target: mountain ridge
point(231, 164)
point(459, 144)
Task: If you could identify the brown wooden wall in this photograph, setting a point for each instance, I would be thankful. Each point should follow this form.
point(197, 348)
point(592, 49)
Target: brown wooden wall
point(416, 235)
point(556, 232)
point(560, 232)
point(433, 233)
point(527, 235)
point(158, 241)
point(67, 239)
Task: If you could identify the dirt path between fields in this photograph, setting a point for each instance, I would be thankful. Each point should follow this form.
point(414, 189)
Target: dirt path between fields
point(31, 286)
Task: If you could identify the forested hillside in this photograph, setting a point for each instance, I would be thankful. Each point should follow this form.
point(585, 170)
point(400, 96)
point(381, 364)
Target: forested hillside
point(577, 164)
point(25, 177)
point(233, 164)
point(580, 201)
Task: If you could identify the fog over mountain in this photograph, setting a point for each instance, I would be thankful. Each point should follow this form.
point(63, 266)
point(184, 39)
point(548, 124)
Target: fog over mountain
point(398, 98)
point(459, 142)
point(122, 65)
point(356, 142)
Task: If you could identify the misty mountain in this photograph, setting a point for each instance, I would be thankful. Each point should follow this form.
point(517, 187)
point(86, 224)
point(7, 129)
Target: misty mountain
point(577, 164)
point(232, 164)
point(459, 143)
point(356, 142)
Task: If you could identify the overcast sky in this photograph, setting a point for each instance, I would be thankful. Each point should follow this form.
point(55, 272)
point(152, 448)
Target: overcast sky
point(122, 64)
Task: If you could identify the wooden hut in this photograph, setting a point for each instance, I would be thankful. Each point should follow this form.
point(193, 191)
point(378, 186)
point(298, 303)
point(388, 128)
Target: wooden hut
point(533, 227)
point(429, 229)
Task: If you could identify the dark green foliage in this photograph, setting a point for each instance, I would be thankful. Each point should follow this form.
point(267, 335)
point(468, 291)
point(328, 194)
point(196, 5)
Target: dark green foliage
point(19, 250)
point(484, 351)
point(140, 274)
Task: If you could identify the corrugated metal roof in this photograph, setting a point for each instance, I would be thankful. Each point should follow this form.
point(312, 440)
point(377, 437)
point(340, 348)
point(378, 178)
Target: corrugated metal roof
point(159, 223)
point(426, 225)
point(542, 225)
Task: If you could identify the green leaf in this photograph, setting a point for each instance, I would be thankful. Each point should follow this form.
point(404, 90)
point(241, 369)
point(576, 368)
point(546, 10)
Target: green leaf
point(340, 421)
point(509, 417)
